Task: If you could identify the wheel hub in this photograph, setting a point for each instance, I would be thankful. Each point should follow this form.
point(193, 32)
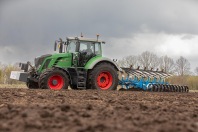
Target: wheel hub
point(54, 82)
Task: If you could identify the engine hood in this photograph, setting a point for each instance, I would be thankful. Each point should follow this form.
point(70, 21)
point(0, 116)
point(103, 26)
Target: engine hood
point(61, 55)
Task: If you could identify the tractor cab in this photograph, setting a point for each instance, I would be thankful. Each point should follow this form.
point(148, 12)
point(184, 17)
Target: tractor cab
point(82, 49)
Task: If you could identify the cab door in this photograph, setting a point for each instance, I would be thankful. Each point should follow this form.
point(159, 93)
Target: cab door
point(73, 47)
point(86, 52)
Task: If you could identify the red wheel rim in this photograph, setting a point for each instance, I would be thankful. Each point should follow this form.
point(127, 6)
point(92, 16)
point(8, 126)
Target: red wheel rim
point(59, 80)
point(104, 80)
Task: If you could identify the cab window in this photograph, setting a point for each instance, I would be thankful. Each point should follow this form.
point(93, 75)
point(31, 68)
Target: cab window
point(87, 47)
point(71, 46)
point(97, 49)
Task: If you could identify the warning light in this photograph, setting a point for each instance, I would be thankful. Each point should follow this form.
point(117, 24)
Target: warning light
point(81, 35)
point(58, 46)
point(97, 36)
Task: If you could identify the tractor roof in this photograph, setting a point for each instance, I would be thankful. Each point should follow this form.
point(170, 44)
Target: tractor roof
point(85, 39)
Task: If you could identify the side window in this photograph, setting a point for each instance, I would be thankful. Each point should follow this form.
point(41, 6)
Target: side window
point(87, 47)
point(97, 48)
point(71, 46)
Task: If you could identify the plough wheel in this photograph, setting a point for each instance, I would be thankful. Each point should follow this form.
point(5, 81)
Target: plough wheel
point(156, 88)
point(163, 88)
point(171, 88)
point(182, 89)
point(187, 89)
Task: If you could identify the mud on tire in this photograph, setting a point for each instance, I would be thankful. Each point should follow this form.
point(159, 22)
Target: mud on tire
point(103, 77)
point(61, 77)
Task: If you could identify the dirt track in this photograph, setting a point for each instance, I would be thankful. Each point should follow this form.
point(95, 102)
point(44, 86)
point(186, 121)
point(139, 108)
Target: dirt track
point(91, 110)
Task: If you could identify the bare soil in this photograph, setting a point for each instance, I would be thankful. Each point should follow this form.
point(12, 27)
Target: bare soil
point(31, 110)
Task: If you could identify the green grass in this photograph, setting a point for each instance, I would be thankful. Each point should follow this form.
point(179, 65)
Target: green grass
point(13, 86)
point(193, 91)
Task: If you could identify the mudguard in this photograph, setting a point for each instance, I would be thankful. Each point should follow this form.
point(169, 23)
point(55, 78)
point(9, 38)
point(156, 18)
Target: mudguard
point(101, 59)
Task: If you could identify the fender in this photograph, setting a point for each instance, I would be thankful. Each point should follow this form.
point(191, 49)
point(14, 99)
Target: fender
point(101, 59)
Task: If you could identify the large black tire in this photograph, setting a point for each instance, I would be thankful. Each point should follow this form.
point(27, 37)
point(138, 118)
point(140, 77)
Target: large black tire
point(31, 84)
point(73, 87)
point(103, 77)
point(46, 78)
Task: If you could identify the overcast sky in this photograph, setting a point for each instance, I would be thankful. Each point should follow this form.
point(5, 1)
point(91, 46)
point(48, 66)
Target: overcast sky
point(28, 28)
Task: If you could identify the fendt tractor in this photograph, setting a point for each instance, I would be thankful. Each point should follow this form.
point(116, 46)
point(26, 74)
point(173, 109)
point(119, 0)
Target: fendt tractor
point(80, 65)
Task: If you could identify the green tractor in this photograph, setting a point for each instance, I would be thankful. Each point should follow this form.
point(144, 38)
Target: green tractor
point(79, 64)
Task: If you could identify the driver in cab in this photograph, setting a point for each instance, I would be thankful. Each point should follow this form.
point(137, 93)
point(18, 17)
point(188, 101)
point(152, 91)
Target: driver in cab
point(88, 50)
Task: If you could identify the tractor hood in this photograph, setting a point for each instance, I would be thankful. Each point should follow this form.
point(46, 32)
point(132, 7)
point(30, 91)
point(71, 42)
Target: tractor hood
point(44, 60)
point(39, 60)
point(61, 55)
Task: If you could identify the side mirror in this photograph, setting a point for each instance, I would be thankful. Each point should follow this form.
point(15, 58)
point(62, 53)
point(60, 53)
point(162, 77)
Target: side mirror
point(60, 46)
point(55, 45)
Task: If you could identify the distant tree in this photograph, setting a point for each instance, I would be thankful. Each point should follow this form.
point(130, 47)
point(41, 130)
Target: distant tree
point(196, 71)
point(167, 64)
point(129, 61)
point(121, 63)
point(1, 76)
point(5, 72)
point(182, 66)
point(148, 60)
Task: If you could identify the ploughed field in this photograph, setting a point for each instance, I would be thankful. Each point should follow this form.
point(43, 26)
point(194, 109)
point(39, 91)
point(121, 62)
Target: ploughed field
point(35, 110)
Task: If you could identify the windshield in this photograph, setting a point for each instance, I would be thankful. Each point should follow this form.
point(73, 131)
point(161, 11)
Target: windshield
point(71, 46)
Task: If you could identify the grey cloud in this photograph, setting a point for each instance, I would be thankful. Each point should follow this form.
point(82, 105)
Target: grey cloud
point(32, 26)
point(188, 36)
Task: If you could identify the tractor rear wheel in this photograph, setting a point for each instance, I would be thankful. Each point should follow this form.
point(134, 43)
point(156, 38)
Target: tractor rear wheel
point(54, 78)
point(103, 77)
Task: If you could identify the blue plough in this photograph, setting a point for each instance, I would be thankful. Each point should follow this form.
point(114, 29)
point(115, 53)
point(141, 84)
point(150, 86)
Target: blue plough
point(155, 81)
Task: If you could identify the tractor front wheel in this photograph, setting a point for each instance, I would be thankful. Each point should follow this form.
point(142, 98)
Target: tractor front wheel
point(103, 77)
point(54, 78)
point(32, 85)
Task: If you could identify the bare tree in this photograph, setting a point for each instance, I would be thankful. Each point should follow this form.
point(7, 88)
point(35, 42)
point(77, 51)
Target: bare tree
point(167, 64)
point(182, 66)
point(148, 60)
point(196, 71)
point(128, 61)
point(1, 76)
point(121, 63)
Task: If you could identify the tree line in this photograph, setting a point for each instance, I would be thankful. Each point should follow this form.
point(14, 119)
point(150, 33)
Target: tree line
point(5, 71)
point(180, 69)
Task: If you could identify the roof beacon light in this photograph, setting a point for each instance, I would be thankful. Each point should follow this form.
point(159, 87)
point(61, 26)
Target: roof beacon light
point(97, 36)
point(81, 35)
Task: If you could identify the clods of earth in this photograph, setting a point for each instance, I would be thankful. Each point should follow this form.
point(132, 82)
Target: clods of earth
point(37, 110)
